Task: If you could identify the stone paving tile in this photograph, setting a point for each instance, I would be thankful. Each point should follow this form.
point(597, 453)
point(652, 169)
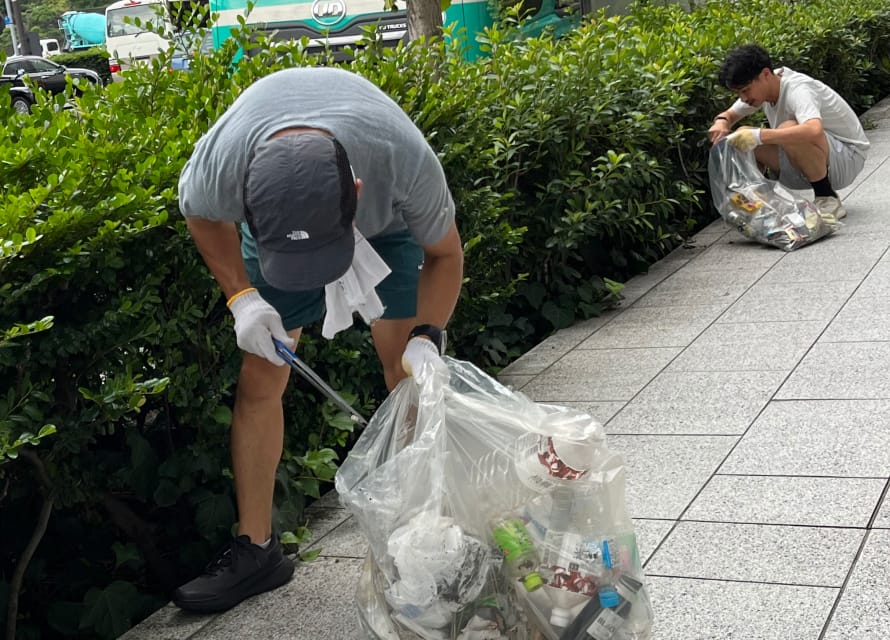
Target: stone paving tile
point(862, 319)
point(639, 285)
point(322, 520)
point(781, 302)
point(718, 402)
point(715, 610)
point(705, 238)
point(329, 499)
point(882, 518)
point(861, 221)
point(599, 374)
point(814, 556)
point(847, 370)
point(833, 258)
point(319, 602)
point(169, 623)
point(664, 473)
point(749, 346)
point(545, 354)
point(640, 327)
point(602, 412)
point(789, 500)
point(862, 612)
point(686, 288)
point(838, 438)
point(650, 533)
point(748, 256)
point(515, 382)
point(346, 540)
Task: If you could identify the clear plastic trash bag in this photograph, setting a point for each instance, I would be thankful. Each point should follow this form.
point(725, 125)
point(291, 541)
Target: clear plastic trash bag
point(760, 208)
point(490, 516)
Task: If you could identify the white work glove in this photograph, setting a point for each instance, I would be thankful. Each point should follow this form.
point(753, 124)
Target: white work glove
point(417, 353)
point(745, 139)
point(256, 323)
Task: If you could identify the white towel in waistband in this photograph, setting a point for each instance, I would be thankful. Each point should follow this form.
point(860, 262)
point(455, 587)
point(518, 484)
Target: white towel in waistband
point(355, 290)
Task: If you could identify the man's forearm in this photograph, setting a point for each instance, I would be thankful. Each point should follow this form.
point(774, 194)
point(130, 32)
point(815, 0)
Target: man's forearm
point(809, 131)
point(438, 288)
point(220, 246)
point(729, 117)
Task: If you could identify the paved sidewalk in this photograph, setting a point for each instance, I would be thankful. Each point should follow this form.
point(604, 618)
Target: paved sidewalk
point(749, 390)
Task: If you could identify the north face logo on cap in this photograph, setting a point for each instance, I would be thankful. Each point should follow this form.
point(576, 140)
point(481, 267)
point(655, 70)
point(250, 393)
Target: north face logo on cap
point(298, 235)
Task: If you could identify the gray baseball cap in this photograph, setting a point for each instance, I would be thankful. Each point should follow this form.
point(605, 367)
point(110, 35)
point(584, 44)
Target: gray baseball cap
point(300, 200)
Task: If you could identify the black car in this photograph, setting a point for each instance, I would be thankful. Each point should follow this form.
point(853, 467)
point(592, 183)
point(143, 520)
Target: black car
point(42, 73)
point(22, 97)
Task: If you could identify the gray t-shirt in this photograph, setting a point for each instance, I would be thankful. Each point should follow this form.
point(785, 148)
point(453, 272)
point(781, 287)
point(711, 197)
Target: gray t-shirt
point(403, 184)
point(804, 98)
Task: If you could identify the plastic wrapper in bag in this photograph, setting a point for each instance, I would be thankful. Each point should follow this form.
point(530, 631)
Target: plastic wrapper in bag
point(760, 208)
point(490, 516)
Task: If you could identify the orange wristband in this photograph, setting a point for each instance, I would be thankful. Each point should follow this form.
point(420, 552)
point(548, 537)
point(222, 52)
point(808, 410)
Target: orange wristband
point(238, 295)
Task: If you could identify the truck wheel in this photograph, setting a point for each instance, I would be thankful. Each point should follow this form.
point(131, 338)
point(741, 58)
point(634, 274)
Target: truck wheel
point(21, 105)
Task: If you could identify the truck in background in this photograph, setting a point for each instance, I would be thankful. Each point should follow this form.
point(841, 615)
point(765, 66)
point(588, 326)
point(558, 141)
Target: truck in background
point(49, 47)
point(338, 23)
point(129, 43)
point(82, 30)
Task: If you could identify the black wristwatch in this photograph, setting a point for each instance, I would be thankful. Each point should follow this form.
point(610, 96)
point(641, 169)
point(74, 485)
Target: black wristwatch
point(432, 332)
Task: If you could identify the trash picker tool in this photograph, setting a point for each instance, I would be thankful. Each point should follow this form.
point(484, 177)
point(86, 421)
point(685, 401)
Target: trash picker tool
point(315, 380)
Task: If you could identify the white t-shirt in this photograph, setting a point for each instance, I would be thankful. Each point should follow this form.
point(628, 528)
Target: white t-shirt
point(403, 184)
point(803, 98)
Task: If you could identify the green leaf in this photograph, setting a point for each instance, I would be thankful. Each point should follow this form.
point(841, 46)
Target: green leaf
point(311, 555)
point(222, 415)
point(126, 553)
point(167, 493)
point(288, 537)
point(558, 316)
point(109, 611)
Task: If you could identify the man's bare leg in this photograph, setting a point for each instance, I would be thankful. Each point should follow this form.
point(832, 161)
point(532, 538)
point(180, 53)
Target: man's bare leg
point(257, 441)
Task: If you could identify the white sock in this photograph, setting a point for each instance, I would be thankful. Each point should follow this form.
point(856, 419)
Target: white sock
point(266, 544)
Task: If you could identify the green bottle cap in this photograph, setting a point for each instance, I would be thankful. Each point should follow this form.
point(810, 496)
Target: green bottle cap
point(532, 581)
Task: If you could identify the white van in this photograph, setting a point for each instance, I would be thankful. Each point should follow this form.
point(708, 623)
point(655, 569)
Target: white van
point(129, 44)
point(49, 47)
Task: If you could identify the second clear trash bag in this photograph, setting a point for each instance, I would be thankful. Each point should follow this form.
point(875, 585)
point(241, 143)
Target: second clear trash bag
point(491, 516)
point(760, 208)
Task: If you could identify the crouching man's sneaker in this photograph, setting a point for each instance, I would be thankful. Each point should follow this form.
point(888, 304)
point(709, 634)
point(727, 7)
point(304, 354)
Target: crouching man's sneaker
point(241, 570)
point(831, 206)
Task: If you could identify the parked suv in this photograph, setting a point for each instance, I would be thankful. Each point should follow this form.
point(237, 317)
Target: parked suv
point(43, 73)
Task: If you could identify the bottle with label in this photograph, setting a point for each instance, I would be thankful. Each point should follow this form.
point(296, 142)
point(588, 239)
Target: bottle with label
point(520, 555)
point(545, 462)
point(609, 620)
point(533, 464)
point(536, 605)
point(639, 620)
point(610, 609)
point(570, 561)
point(487, 623)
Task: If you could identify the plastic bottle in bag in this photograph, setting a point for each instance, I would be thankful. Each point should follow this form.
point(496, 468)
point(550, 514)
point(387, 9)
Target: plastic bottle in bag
point(572, 572)
point(606, 616)
point(487, 623)
point(511, 476)
point(520, 555)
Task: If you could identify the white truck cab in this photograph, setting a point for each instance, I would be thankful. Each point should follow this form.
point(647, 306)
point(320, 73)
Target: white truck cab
point(49, 47)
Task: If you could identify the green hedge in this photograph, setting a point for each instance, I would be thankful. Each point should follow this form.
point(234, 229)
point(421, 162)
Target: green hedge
point(574, 164)
point(95, 59)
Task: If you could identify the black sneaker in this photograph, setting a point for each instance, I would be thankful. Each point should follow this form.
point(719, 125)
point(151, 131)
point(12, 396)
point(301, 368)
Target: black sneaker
point(241, 570)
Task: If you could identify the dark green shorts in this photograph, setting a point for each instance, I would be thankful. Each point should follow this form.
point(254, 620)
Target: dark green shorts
point(398, 291)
